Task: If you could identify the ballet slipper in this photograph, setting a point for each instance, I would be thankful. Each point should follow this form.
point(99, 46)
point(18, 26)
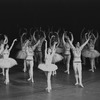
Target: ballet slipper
point(81, 85)
point(91, 70)
point(6, 82)
point(31, 80)
point(67, 72)
point(48, 89)
point(76, 83)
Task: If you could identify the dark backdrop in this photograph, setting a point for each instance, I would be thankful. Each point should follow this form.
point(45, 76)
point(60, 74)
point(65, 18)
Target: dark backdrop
point(73, 15)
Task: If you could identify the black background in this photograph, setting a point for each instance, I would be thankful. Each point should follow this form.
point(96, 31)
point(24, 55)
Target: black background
point(72, 15)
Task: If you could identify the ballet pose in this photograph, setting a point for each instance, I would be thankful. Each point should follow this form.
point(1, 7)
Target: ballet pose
point(6, 62)
point(48, 67)
point(77, 60)
point(67, 54)
point(91, 53)
point(57, 57)
point(22, 53)
point(2, 44)
point(29, 58)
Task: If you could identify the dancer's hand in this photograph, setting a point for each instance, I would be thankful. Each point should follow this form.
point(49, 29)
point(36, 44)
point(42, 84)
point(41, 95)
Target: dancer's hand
point(15, 39)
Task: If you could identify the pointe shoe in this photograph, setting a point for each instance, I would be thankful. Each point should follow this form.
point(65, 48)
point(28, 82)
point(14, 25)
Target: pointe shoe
point(76, 83)
point(91, 70)
point(24, 70)
point(67, 72)
point(6, 82)
point(81, 85)
point(48, 89)
point(30, 79)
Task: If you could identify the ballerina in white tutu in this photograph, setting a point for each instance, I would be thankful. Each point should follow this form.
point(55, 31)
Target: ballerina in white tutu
point(91, 53)
point(57, 57)
point(48, 67)
point(2, 44)
point(6, 62)
point(67, 53)
point(29, 58)
point(22, 53)
point(77, 60)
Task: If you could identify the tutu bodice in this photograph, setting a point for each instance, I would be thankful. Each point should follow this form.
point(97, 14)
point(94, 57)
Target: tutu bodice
point(48, 59)
point(29, 53)
point(6, 54)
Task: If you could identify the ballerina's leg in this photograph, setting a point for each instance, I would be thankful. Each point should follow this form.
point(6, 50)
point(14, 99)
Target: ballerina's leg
point(24, 69)
point(92, 64)
point(49, 81)
point(68, 64)
point(7, 76)
point(31, 71)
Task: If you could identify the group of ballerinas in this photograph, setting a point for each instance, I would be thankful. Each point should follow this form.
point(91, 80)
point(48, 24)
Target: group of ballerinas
point(55, 50)
point(6, 62)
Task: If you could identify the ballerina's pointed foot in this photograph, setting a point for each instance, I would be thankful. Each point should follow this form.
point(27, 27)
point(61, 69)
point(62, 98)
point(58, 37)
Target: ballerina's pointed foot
point(81, 85)
point(48, 90)
point(76, 83)
point(6, 82)
point(30, 79)
point(67, 72)
point(24, 70)
point(91, 70)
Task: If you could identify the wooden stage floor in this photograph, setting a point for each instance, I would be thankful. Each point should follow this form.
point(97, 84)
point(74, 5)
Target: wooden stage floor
point(63, 87)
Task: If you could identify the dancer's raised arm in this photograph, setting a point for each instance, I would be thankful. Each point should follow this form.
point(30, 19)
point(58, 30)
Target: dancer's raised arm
point(12, 44)
point(34, 36)
point(33, 47)
point(82, 46)
point(45, 48)
point(6, 39)
point(95, 38)
point(72, 38)
point(70, 42)
point(53, 49)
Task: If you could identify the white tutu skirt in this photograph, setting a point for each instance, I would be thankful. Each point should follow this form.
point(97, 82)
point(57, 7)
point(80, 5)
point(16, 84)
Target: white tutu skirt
point(21, 55)
point(47, 67)
point(7, 63)
point(90, 53)
point(59, 50)
point(57, 58)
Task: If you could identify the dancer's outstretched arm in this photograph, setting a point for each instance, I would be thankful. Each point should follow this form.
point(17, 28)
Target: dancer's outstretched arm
point(45, 48)
point(6, 39)
point(12, 44)
point(70, 42)
point(95, 38)
point(33, 47)
point(82, 46)
point(72, 38)
point(53, 49)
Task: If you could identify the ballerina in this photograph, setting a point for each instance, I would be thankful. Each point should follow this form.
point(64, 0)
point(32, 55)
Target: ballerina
point(91, 53)
point(77, 60)
point(22, 53)
point(3, 43)
point(57, 57)
point(48, 67)
point(67, 54)
point(29, 58)
point(6, 62)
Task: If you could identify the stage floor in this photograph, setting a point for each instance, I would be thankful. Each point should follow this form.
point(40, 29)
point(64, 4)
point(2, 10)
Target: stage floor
point(63, 87)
